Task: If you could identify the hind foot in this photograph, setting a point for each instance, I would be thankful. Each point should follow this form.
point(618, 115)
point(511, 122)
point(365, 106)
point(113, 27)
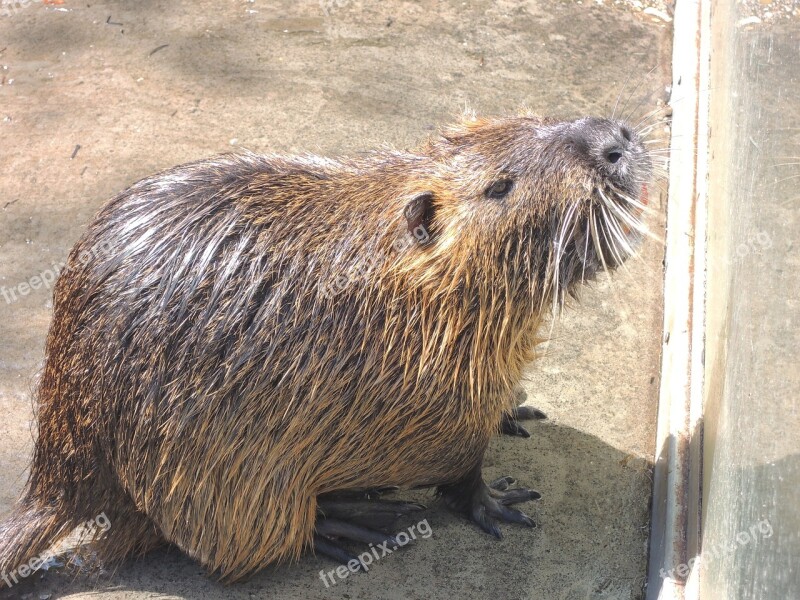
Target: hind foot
point(344, 516)
point(509, 425)
point(487, 504)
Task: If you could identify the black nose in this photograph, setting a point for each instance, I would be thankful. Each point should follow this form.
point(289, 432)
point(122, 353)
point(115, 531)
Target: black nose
point(614, 154)
point(621, 141)
point(601, 140)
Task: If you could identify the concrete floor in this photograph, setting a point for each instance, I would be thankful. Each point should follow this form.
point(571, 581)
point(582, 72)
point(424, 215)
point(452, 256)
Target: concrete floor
point(96, 96)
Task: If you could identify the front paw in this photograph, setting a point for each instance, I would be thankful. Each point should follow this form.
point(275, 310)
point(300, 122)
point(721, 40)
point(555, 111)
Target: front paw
point(486, 505)
point(510, 423)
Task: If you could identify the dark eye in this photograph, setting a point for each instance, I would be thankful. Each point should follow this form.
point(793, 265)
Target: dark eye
point(499, 189)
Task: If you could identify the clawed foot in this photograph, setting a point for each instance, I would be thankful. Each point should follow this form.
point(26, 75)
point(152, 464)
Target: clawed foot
point(509, 425)
point(487, 504)
point(357, 517)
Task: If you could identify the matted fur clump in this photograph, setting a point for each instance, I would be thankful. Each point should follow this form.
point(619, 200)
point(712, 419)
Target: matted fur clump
point(235, 337)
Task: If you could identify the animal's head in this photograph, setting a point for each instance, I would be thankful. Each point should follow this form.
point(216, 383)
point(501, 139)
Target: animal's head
point(532, 206)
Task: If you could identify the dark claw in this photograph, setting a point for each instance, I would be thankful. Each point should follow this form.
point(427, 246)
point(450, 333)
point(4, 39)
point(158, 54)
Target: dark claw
point(484, 521)
point(375, 514)
point(523, 413)
point(527, 413)
point(512, 515)
point(514, 496)
point(509, 425)
point(327, 548)
point(334, 528)
point(502, 483)
point(485, 504)
point(486, 510)
point(347, 516)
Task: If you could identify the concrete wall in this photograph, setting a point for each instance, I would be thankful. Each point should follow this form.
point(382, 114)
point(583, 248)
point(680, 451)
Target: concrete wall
point(751, 539)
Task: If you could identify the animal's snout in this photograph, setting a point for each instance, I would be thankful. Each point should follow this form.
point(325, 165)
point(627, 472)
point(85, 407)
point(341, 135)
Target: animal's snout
point(608, 142)
point(617, 144)
point(616, 148)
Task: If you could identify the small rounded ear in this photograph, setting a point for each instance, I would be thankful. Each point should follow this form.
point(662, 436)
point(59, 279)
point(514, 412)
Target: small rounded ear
point(419, 213)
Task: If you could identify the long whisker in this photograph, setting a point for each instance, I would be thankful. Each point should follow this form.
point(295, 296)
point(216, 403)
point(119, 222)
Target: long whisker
point(567, 227)
point(605, 265)
point(622, 89)
point(657, 141)
point(585, 250)
point(658, 112)
point(636, 89)
point(612, 241)
point(623, 240)
point(596, 240)
point(630, 220)
point(644, 208)
point(619, 238)
point(616, 236)
point(645, 131)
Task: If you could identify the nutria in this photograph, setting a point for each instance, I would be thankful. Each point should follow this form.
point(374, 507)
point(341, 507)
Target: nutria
point(238, 340)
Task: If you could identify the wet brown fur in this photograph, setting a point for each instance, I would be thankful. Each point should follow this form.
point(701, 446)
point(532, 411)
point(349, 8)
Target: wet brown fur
point(207, 375)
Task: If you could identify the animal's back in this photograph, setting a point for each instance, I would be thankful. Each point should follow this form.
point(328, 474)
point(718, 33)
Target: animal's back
point(234, 386)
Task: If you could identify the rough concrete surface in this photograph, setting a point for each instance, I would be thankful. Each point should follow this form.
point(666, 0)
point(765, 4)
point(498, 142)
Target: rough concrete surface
point(96, 95)
point(753, 338)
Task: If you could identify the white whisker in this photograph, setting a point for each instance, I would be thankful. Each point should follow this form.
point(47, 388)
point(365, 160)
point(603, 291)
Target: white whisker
point(629, 219)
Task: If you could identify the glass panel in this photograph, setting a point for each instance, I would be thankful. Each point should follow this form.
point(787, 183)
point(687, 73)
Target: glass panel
point(751, 541)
